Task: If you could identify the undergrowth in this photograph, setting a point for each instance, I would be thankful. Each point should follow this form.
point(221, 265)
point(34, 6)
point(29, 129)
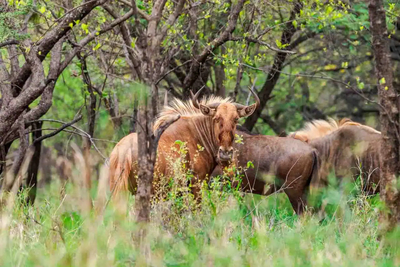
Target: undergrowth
point(227, 228)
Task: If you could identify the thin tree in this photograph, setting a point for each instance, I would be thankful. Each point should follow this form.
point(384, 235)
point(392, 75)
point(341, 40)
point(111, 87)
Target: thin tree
point(389, 110)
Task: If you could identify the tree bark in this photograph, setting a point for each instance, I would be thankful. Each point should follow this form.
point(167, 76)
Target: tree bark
point(145, 172)
point(147, 148)
point(219, 71)
point(33, 168)
point(389, 113)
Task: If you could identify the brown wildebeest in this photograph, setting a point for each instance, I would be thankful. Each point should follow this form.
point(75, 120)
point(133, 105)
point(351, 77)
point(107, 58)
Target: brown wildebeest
point(292, 162)
point(206, 127)
point(347, 148)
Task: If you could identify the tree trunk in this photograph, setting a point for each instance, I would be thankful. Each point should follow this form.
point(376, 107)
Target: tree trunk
point(389, 113)
point(219, 71)
point(147, 148)
point(3, 156)
point(145, 173)
point(31, 181)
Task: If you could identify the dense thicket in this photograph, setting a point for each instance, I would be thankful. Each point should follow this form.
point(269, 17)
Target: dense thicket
point(64, 59)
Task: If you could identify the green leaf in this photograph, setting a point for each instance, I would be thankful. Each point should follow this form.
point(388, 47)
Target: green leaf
point(42, 9)
point(328, 10)
point(238, 139)
point(85, 27)
point(200, 148)
point(250, 165)
point(71, 220)
point(97, 47)
point(278, 43)
point(179, 142)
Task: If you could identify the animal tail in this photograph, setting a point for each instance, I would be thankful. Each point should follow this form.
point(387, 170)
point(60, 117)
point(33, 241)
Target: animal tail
point(122, 168)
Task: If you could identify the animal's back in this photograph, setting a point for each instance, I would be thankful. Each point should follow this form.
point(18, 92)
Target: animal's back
point(364, 147)
point(350, 151)
point(281, 157)
point(123, 165)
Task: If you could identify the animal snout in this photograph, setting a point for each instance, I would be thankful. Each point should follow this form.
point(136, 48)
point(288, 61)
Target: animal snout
point(225, 154)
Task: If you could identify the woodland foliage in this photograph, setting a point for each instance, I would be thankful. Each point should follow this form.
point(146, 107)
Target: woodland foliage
point(74, 75)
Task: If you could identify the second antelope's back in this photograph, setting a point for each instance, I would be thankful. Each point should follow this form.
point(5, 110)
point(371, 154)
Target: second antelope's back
point(346, 148)
point(319, 128)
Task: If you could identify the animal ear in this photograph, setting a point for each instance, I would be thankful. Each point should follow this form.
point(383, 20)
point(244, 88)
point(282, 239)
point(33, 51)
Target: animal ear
point(247, 111)
point(207, 110)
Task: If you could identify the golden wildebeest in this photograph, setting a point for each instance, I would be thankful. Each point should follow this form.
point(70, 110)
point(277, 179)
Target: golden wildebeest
point(346, 148)
point(292, 162)
point(206, 127)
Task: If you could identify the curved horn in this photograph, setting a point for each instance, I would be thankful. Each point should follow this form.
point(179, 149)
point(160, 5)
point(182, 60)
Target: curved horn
point(195, 102)
point(255, 96)
point(240, 106)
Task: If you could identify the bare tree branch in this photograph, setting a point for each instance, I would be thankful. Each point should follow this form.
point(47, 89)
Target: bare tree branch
point(65, 125)
point(274, 73)
point(90, 37)
point(256, 41)
point(52, 37)
point(222, 38)
point(172, 18)
point(127, 41)
point(13, 55)
point(9, 42)
point(138, 11)
point(47, 95)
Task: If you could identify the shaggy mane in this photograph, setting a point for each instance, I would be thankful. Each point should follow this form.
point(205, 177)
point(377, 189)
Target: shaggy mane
point(186, 108)
point(319, 128)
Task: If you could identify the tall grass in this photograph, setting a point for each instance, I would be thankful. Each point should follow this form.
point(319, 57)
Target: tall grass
point(225, 229)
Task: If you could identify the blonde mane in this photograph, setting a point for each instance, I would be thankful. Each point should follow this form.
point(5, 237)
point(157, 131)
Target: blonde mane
point(319, 128)
point(186, 108)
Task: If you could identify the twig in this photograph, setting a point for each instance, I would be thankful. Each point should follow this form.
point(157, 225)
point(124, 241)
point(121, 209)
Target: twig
point(171, 70)
point(9, 42)
point(82, 131)
point(58, 130)
point(139, 11)
point(252, 40)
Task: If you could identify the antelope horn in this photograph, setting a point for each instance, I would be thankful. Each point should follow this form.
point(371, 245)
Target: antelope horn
point(166, 98)
point(195, 102)
point(239, 106)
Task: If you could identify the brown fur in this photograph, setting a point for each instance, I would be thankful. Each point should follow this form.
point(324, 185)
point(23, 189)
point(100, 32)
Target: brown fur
point(350, 150)
point(206, 132)
point(123, 164)
point(292, 162)
point(319, 128)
